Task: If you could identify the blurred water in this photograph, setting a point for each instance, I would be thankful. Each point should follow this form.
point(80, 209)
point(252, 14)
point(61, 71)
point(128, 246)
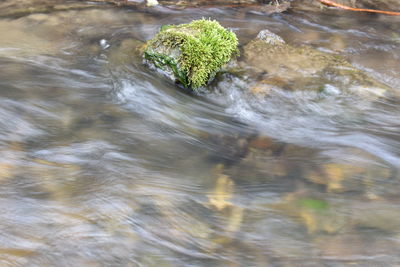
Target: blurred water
point(105, 163)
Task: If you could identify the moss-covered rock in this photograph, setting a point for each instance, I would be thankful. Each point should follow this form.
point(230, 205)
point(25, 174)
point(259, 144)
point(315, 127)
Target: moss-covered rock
point(191, 53)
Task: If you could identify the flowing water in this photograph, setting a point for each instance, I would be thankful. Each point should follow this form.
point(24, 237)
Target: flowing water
point(105, 163)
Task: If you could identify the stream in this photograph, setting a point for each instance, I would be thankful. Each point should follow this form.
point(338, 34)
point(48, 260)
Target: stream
point(104, 162)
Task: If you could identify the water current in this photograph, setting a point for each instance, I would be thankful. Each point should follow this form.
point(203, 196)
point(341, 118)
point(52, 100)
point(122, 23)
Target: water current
point(104, 162)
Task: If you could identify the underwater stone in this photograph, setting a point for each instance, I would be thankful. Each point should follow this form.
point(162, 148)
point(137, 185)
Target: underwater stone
point(191, 53)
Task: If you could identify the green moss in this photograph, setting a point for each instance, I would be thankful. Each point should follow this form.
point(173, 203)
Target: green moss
point(196, 50)
point(161, 60)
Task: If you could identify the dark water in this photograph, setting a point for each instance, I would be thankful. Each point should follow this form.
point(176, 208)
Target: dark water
point(105, 163)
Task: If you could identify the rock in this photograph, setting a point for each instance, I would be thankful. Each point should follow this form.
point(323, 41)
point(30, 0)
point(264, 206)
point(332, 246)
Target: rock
point(269, 53)
point(336, 177)
point(381, 215)
point(316, 214)
point(220, 202)
point(222, 193)
point(304, 68)
point(270, 37)
point(191, 53)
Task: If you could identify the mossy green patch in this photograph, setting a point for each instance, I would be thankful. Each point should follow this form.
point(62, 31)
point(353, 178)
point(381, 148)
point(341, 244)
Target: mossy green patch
point(161, 60)
point(194, 52)
point(314, 204)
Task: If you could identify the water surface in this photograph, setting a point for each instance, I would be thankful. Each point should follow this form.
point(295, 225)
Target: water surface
point(105, 163)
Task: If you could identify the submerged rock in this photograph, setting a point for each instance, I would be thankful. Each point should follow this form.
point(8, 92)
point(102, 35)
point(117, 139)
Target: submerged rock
point(316, 214)
point(191, 53)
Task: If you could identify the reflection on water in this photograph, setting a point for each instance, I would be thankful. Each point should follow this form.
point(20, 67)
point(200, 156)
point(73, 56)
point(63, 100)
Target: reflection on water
point(105, 163)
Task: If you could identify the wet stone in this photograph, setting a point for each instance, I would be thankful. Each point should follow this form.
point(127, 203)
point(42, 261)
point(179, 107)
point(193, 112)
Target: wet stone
point(303, 68)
